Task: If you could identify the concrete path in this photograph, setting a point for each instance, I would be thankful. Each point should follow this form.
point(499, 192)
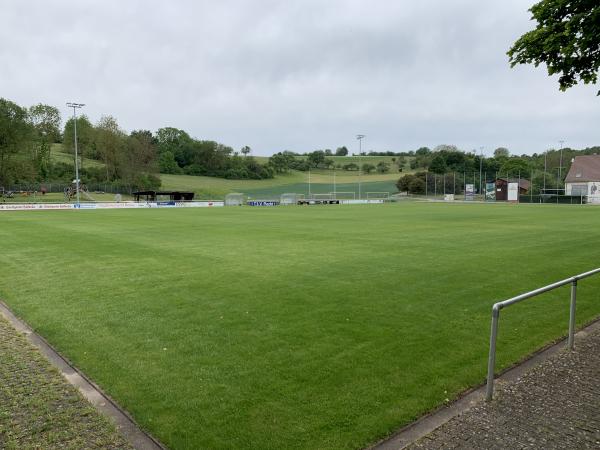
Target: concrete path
point(555, 405)
point(39, 409)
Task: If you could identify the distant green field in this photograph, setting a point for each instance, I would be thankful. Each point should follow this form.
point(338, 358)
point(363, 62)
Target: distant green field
point(295, 181)
point(321, 182)
point(323, 327)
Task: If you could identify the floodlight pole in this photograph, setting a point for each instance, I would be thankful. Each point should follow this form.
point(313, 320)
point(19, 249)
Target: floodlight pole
point(561, 142)
point(360, 137)
point(75, 107)
point(545, 168)
point(334, 191)
point(480, 166)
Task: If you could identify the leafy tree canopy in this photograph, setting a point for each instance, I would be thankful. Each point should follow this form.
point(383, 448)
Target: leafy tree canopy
point(566, 39)
point(513, 166)
point(501, 152)
point(438, 164)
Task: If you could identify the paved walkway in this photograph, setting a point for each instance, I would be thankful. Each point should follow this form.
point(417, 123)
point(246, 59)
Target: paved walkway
point(39, 409)
point(555, 405)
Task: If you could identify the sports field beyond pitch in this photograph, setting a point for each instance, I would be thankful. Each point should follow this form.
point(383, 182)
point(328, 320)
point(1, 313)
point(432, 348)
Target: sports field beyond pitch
point(293, 327)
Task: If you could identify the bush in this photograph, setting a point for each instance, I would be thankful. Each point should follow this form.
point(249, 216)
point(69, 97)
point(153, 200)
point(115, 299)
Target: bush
point(194, 169)
point(368, 168)
point(412, 183)
point(383, 167)
point(416, 186)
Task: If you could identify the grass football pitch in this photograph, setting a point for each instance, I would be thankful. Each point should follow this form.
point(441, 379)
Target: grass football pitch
point(293, 327)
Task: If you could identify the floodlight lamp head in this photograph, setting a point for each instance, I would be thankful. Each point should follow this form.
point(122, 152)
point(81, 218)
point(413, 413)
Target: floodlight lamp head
point(75, 105)
point(360, 136)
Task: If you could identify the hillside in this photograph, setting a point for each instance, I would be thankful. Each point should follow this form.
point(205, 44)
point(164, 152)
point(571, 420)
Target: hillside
point(58, 155)
point(294, 181)
point(321, 182)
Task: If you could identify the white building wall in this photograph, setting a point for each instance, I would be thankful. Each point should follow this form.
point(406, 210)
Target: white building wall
point(592, 190)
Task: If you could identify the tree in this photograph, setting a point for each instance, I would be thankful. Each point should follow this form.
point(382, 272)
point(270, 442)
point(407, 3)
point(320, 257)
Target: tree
point(341, 151)
point(167, 163)
point(501, 152)
point(85, 138)
point(438, 164)
point(281, 162)
point(412, 183)
point(317, 157)
point(383, 167)
point(350, 166)
point(445, 148)
point(138, 164)
point(566, 39)
point(368, 168)
point(46, 123)
point(514, 166)
point(16, 133)
point(328, 163)
point(245, 150)
point(110, 144)
point(416, 186)
point(176, 141)
point(171, 139)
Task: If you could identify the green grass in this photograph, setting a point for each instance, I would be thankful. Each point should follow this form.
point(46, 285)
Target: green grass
point(293, 327)
point(57, 154)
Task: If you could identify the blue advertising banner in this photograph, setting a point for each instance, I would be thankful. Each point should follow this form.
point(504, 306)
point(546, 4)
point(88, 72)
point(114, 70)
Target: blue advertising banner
point(262, 203)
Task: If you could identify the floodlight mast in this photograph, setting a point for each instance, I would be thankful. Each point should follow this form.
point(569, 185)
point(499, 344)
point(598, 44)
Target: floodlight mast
point(360, 137)
point(480, 169)
point(75, 107)
point(561, 142)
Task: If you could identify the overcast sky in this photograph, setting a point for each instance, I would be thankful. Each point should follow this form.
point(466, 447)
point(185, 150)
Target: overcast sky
point(296, 75)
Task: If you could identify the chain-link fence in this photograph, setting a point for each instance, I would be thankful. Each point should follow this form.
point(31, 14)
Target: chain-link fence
point(109, 188)
point(525, 187)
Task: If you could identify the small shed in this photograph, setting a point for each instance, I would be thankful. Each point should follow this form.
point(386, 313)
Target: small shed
point(151, 196)
point(502, 187)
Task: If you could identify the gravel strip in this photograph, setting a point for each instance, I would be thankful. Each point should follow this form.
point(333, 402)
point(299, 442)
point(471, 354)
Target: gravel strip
point(555, 405)
point(39, 409)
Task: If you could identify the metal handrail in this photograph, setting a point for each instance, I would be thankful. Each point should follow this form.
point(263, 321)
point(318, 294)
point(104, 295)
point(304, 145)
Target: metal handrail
point(511, 301)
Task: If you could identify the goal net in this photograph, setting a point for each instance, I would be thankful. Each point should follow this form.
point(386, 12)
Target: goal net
point(350, 195)
point(378, 195)
point(234, 199)
point(291, 198)
point(322, 196)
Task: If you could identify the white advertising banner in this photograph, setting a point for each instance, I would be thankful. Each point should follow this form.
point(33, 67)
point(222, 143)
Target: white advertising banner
point(594, 193)
point(513, 192)
point(107, 205)
point(361, 202)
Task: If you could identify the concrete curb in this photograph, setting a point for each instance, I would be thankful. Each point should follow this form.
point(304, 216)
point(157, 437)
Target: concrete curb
point(438, 417)
point(137, 437)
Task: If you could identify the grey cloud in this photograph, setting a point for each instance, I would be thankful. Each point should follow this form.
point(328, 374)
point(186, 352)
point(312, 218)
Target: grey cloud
point(296, 75)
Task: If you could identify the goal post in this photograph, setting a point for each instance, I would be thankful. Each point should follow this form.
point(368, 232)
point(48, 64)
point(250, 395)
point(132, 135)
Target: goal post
point(234, 199)
point(322, 196)
point(291, 198)
point(349, 195)
point(378, 195)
